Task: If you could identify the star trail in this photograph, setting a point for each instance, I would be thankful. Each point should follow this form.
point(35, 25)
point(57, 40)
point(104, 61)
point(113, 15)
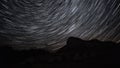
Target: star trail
point(48, 23)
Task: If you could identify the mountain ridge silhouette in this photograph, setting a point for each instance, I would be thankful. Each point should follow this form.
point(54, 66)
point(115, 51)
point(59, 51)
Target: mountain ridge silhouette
point(76, 51)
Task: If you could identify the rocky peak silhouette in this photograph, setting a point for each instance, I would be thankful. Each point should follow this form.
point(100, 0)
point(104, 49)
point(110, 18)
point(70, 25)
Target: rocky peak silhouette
point(76, 51)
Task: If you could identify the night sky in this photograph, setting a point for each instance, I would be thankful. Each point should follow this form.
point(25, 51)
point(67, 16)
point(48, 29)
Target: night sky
point(48, 23)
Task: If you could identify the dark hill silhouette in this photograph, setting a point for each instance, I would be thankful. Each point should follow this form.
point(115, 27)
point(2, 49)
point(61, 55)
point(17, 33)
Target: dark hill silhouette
point(77, 52)
point(93, 51)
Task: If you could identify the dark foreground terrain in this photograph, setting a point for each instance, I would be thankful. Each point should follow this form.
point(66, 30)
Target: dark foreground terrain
point(77, 53)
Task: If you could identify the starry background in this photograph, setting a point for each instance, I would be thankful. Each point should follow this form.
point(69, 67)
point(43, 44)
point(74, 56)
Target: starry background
point(48, 23)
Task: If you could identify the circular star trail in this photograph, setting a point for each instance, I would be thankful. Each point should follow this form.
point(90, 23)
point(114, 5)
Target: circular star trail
point(48, 23)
